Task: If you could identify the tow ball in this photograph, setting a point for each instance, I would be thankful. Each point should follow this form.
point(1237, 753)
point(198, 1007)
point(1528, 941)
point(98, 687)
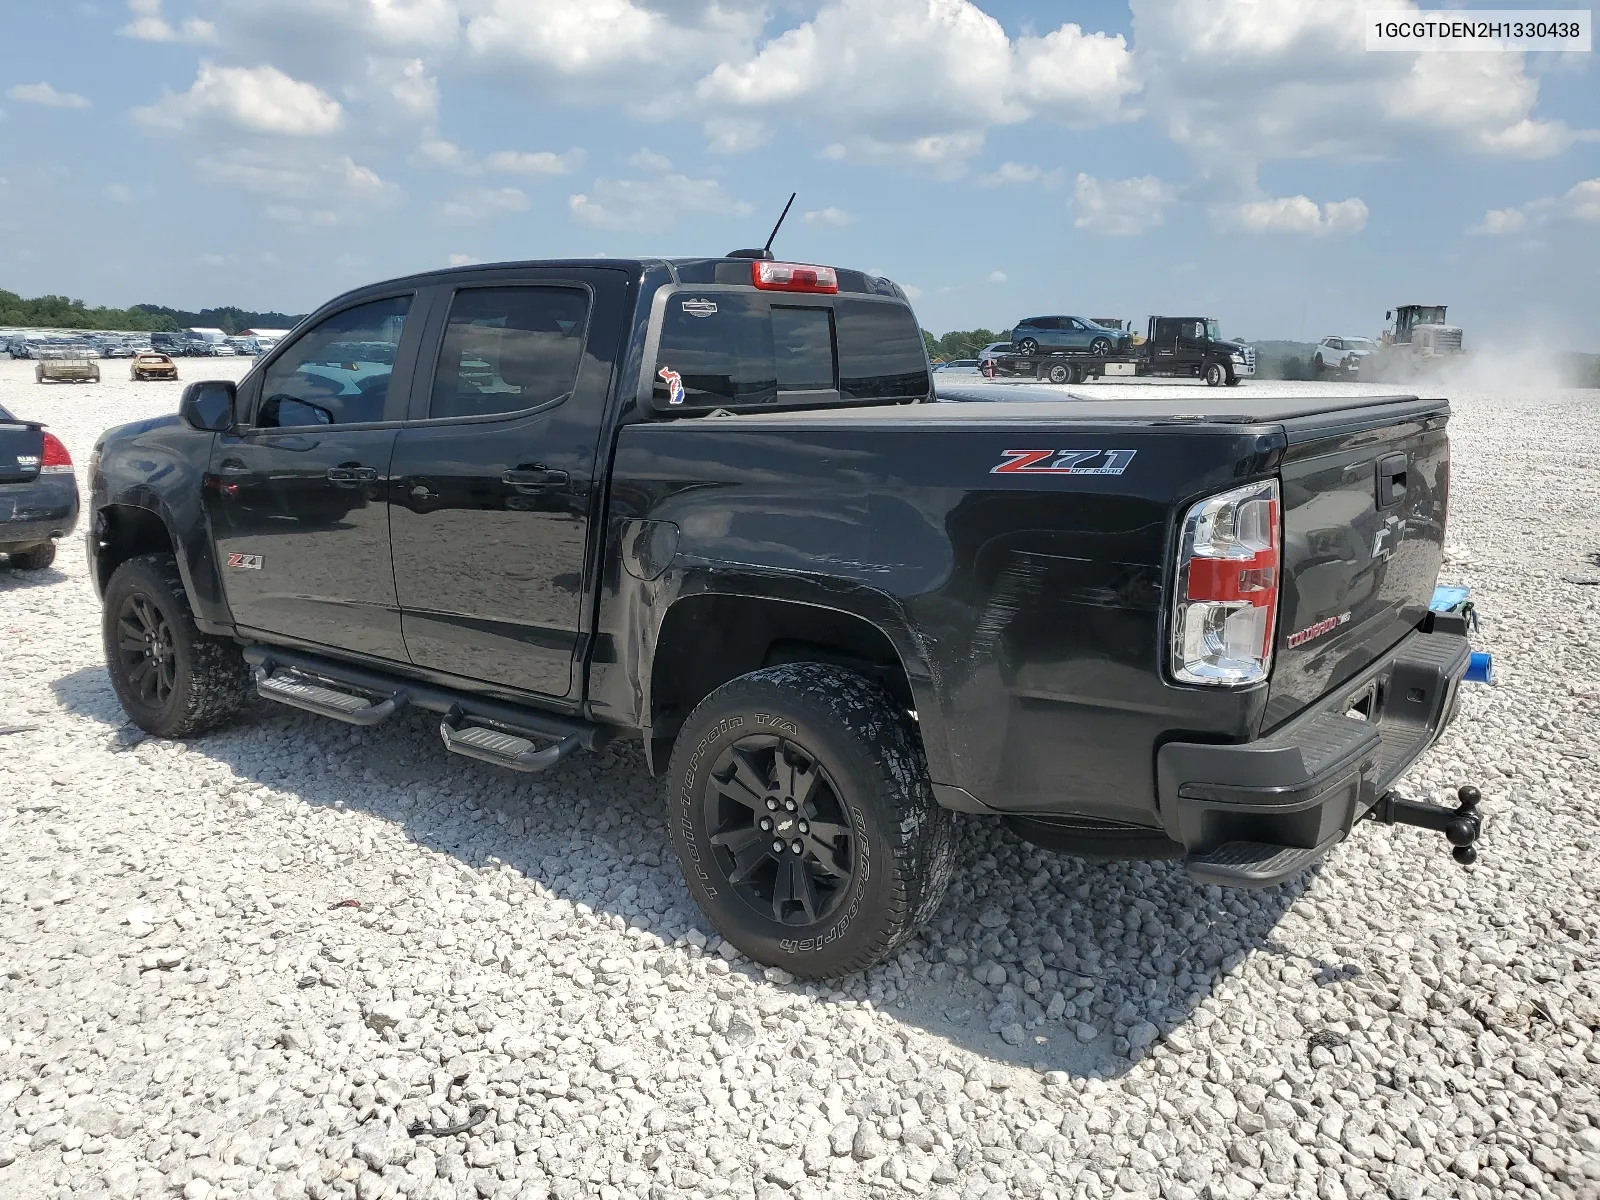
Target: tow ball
point(1460, 826)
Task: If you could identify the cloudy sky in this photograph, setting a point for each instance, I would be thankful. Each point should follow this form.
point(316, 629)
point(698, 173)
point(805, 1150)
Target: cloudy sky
point(1245, 158)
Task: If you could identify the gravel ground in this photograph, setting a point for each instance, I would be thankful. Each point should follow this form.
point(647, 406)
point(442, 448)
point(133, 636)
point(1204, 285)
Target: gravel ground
point(190, 1007)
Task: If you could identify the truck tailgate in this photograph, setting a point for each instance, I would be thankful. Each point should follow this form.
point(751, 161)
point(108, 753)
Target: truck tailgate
point(21, 451)
point(1365, 493)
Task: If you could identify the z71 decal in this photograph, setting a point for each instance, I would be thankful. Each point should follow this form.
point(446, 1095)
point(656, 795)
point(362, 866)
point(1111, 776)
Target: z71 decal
point(1064, 462)
point(245, 562)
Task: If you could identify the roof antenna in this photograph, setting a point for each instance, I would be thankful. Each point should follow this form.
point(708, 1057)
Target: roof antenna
point(765, 253)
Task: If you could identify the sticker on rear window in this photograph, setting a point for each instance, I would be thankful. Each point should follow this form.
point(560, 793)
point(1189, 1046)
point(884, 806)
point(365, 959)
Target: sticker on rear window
point(1064, 462)
point(700, 308)
point(674, 383)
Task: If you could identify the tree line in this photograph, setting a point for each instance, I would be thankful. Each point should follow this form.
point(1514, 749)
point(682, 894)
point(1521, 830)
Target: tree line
point(63, 312)
point(962, 343)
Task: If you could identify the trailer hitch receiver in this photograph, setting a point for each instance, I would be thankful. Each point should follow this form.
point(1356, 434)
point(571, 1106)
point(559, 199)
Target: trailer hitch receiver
point(1460, 826)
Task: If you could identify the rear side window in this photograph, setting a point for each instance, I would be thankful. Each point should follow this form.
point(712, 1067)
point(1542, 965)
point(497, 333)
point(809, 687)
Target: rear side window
point(741, 350)
point(881, 352)
point(509, 349)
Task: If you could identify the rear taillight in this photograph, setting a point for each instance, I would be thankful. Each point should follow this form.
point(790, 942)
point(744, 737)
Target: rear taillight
point(794, 277)
point(56, 459)
point(1226, 605)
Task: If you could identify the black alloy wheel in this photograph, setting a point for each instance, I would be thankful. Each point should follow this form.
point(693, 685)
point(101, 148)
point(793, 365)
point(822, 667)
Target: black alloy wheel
point(1101, 346)
point(1028, 346)
point(144, 645)
point(780, 830)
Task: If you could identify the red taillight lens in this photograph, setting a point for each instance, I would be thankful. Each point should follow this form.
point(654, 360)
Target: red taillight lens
point(794, 277)
point(56, 458)
point(1226, 606)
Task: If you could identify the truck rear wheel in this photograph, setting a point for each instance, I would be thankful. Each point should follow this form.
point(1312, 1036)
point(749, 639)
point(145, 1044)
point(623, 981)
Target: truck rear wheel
point(804, 820)
point(170, 678)
point(1059, 373)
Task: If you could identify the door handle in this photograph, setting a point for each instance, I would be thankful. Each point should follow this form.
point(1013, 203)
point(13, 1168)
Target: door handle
point(233, 466)
point(351, 476)
point(534, 479)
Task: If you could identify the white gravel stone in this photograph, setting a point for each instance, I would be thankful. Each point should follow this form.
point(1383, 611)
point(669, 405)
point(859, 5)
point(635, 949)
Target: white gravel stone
point(524, 948)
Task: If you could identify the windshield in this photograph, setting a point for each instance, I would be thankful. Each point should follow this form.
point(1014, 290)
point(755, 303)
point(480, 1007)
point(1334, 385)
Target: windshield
point(1360, 344)
point(1213, 331)
point(1430, 316)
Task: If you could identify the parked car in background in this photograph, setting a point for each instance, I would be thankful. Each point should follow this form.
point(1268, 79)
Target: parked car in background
point(957, 366)
point(66, 362)
point(1341, 355)
point(151, 365)
point(38, 493)
point(1047, 335)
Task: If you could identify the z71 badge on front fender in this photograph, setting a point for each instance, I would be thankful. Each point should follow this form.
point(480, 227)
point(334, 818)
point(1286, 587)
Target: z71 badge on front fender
point(1064, 462)
point(245, 562)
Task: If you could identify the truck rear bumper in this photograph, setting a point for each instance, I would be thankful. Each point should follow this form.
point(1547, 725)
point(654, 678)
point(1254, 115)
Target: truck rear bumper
point(1258, 813)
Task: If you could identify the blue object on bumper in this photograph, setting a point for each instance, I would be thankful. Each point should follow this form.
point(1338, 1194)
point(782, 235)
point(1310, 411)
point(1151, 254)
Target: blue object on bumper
point(1480, 667)
point(1447, 599)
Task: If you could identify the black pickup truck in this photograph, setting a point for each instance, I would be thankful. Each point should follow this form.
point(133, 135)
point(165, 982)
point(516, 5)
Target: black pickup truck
point(710, 503)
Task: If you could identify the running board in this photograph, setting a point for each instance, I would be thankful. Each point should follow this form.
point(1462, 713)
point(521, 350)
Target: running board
point(470, 711)
point(498, 748)
point(1253, 864)
point(325, 701)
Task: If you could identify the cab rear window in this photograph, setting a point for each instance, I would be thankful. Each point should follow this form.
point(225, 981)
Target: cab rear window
point(744, 350)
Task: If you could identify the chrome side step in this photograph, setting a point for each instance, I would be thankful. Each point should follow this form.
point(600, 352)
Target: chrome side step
point(301, 693)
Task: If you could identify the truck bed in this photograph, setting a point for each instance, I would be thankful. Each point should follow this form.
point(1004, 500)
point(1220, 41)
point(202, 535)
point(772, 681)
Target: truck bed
point(992, 403)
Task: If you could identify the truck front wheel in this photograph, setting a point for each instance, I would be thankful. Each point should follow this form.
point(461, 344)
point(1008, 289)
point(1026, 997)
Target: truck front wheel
point(170, 678)
point(1216, 375)
point(804, 820)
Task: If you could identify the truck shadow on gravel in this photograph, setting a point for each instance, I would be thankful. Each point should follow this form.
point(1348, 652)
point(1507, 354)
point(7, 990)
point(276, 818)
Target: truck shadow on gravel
point(1035, 960)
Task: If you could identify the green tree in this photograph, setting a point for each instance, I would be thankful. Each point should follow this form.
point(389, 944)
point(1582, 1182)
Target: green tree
point(62, 312)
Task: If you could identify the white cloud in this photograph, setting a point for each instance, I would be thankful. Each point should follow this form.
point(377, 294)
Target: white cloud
point(44, 94)
point(480, 204)
point(947, 153)
point(733, 135)
point(829, 216)
point(1120, 207)
point(462, 260)
point(536, 162)
point(437, 152)
point(1011, 172)
point(926, 78)
point(1296, 215)
point(616, 39)
point(1239, 82)
point(1502, 220)
point(259, 99)
point(998, 277)
point(654, 203)
point(300, 184)
point(148, 25)
point(1581, 202)
point(120, 192)
point(217, 260)
point(398, 86)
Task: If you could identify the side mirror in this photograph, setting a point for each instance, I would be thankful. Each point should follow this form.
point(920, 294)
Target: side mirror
point(208, 405)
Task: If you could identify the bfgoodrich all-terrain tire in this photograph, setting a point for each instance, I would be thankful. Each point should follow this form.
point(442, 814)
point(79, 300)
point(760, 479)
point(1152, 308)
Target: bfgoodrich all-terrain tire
point(171, 679)
point(804, 820)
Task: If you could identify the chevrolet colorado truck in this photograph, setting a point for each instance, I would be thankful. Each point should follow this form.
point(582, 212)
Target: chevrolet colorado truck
point(711, 504)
